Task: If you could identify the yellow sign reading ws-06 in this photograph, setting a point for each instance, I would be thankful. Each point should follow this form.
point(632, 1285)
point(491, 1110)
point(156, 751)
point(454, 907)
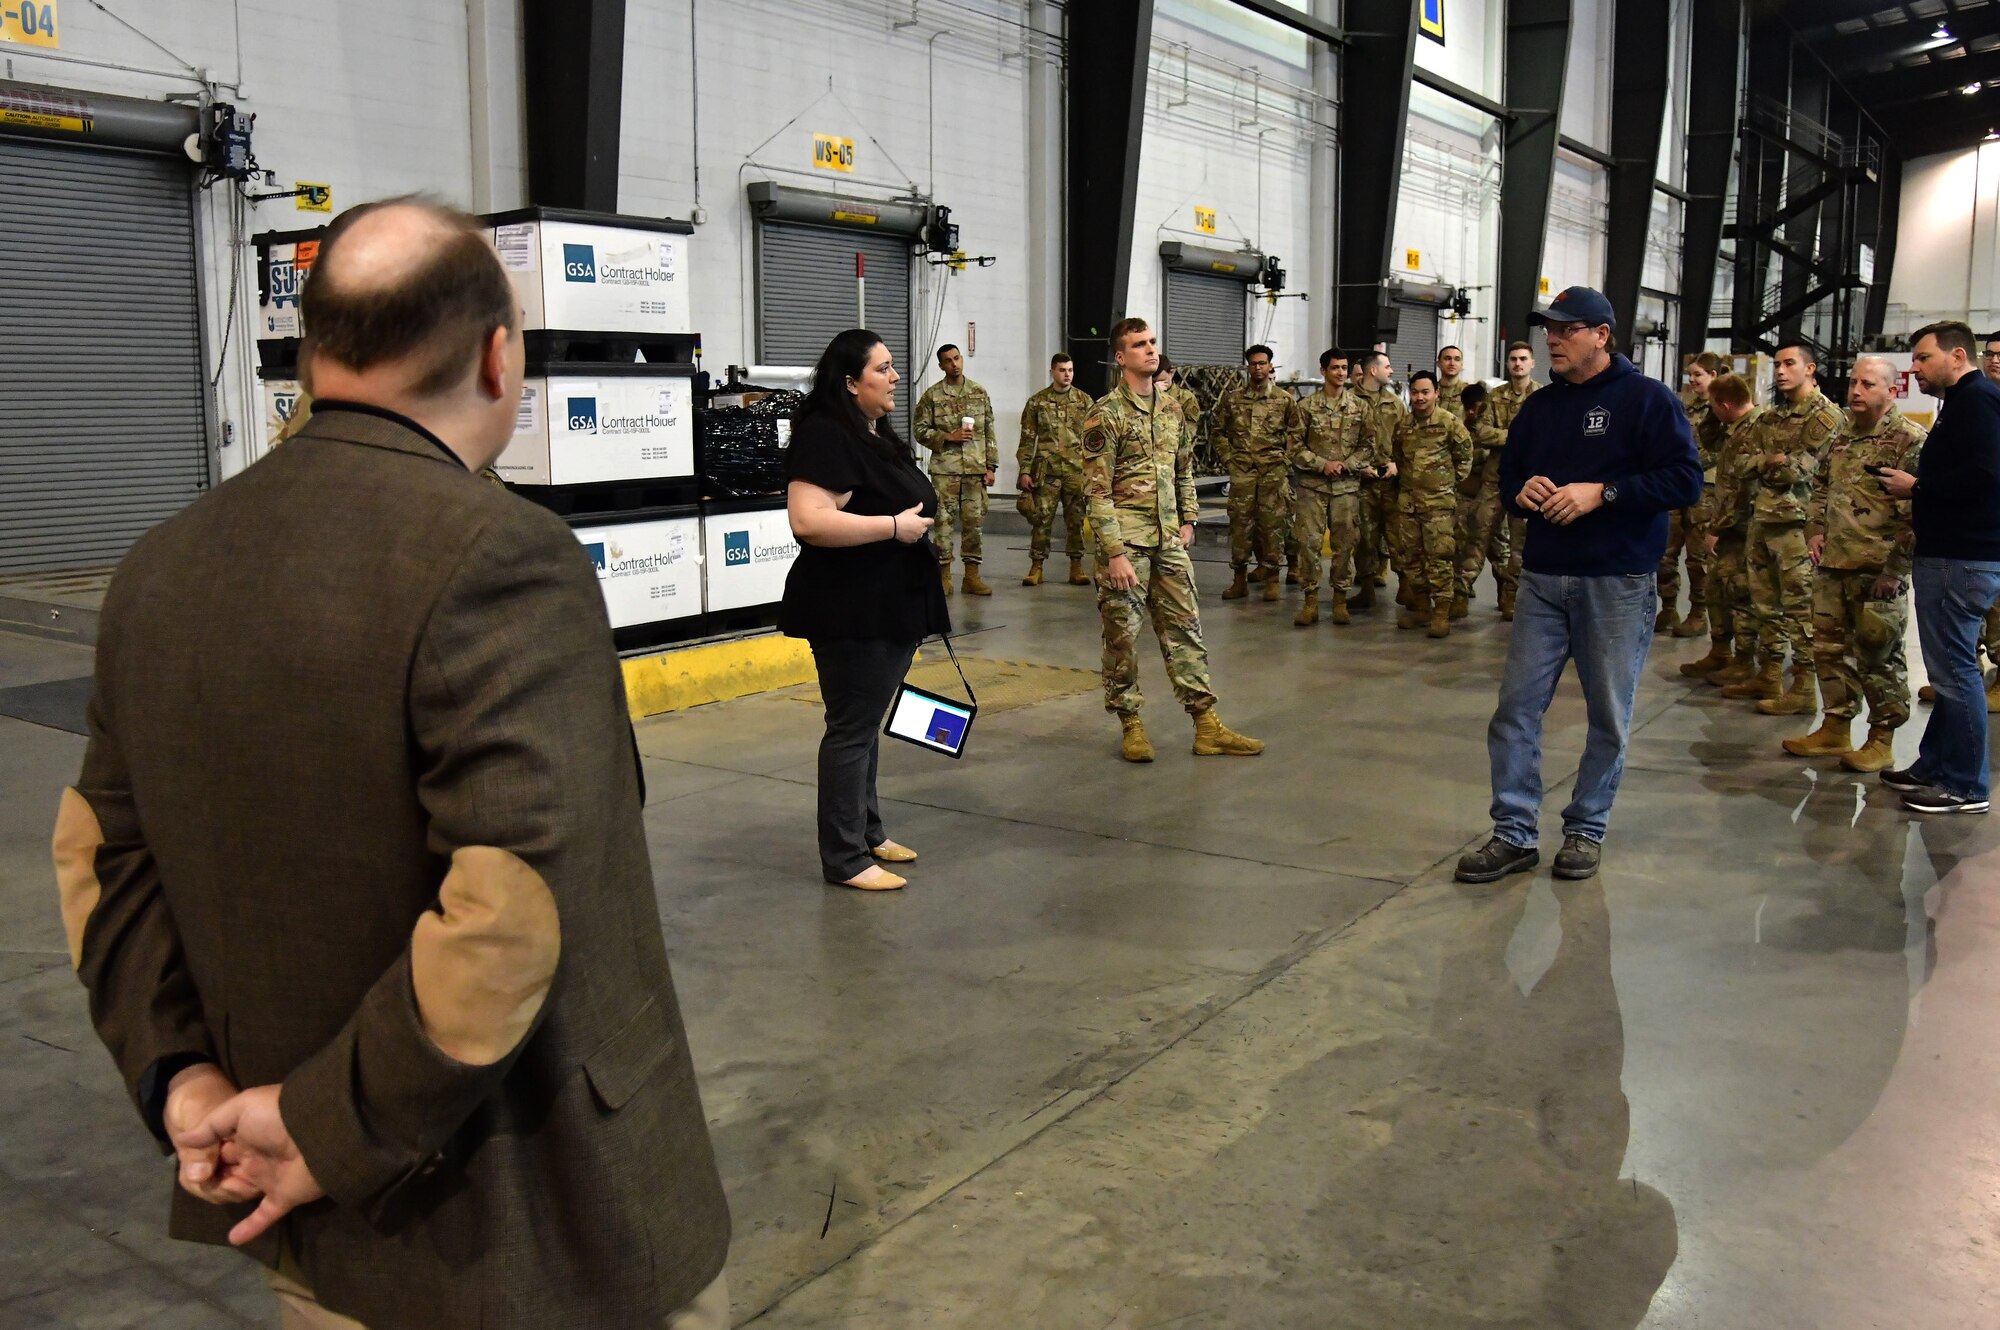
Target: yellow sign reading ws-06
point(1413, 259)
point(30, 22)
point(1204, 220)
point(829, 152)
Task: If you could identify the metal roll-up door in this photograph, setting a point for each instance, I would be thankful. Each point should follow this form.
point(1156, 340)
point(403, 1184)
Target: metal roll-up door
point(1205, 320)
point(103, 430)
point(806, 294)
point(1416, 344)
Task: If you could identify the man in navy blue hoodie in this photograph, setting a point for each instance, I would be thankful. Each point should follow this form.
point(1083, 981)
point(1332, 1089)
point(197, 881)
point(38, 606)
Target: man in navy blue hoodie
point(1956, 514)
point(1594, 464)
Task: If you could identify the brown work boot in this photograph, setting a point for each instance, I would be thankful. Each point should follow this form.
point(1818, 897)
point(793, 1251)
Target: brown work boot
point(1800, 698)
point(1416, 614)
point(1078, 577)
point(1717, 658)
point(974, 584)
point(1926, 694)
point(1336, 610)
point(1878, 754)
point(944, 575)
point(1239, 587)
point(1666, 620)
point(1134, 746)
point(1262, 573)
point(1274, 587)
point(1291, 575)
point(1308, 614)
point(1406, 592)
point(1034, 577)
point(1364, 599)
point(1460, 605)
point(1834, 737)
point(1694, 625)
point(1507, 594)
point(1769, 682)
point(1739, 669)
point(1214, 739)
point(1440, 625)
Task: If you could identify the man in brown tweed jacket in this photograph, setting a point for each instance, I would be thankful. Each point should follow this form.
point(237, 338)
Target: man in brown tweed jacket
point(354, 873)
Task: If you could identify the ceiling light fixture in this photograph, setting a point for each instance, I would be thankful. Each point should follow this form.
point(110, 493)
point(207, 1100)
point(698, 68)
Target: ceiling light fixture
point(1972, 87)
point(1942, 33)
point(1992, 135)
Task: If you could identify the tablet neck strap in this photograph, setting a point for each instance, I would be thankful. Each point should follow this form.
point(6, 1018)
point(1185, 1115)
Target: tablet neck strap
point(969, 695)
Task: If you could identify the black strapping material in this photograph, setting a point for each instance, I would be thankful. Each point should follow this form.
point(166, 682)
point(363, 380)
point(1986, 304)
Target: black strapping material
point(741, 454)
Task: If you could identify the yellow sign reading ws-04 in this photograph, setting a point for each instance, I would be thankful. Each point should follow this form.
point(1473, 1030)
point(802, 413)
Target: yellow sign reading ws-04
point(30, 22)
point(1413, 259)
point(829, 152)
point(1204, 220)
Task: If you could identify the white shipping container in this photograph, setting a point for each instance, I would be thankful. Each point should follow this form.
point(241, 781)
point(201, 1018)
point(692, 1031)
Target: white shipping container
point(747, 557)
point(650, 572)
point(576, 277)
point(588, 429)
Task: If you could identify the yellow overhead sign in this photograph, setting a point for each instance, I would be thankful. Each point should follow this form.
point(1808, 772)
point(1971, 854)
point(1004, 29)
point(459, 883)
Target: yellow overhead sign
point(29, 22)
point(1204, 220)
point(1413, 259)
point(830, 153)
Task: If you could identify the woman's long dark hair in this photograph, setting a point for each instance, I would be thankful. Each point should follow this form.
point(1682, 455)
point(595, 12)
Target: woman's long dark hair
point(846, 357)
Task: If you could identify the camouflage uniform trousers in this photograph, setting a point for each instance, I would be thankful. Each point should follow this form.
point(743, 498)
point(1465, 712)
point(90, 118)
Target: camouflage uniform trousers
point(1428, 543)
point(1683, 535)
point(1166, 595)
point(1260, 507)
point(1057, 484)
point(1371, 554)
point(1729, 616)
point(1482, 538)
point(1857, 647)
point(1781, 590)
point(1517, 543)
point(961, 513)
point(1319, 518)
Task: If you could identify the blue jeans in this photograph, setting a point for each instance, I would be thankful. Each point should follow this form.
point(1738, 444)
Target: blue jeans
point(1604, 624)
point(1953, 596)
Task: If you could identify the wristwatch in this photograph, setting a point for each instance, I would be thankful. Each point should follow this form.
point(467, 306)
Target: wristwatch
point(1611, 493)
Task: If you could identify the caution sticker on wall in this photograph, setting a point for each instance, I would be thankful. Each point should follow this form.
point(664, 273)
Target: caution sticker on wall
point(314, 197)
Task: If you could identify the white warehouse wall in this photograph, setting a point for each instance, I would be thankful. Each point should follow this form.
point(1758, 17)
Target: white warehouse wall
point(1947, 242)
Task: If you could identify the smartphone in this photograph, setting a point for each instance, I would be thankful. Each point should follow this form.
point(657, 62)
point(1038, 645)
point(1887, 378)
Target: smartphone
point(1877, 471)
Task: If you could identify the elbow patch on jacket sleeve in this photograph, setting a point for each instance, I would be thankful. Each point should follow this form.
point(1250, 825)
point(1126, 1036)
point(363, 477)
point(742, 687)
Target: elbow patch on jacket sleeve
point(78, 837)
point(482, 962)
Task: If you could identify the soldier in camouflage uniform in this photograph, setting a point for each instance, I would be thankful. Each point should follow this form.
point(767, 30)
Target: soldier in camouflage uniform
point(1482, 535)
point(1791, 437)
point(1051, 463)
point(1861, 540)
point(1138, 472)
point(1502, 405)
point(1725, 518)
point(1432, 456)
point(1682, 537)
point(1261, 423)
point(1334, 452)
point(1382, 412)
point(1451, 388)
point(963, 463)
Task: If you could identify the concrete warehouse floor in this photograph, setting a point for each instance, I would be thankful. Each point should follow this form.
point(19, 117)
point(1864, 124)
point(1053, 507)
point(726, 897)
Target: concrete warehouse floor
point(1219, 1043)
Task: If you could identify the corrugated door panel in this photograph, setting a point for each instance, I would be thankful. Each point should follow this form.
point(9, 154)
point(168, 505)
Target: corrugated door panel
point(102, 432)
point(1416, 344)
point(1206, 319)
point(806, 295)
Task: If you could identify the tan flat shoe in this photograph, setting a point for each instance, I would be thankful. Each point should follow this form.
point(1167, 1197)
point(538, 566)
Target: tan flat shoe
point(875, 879)
point(891, 853)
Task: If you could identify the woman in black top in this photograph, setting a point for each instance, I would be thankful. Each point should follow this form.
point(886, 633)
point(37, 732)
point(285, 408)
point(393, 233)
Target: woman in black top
point(864, 590)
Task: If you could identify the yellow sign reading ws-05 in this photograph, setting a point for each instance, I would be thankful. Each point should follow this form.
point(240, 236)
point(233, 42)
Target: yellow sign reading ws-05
point(1204, 220)
point(30, 22)
point(1413, 259)
point(829, 152)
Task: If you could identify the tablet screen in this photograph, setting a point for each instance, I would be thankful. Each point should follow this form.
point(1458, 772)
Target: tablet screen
point(930, 721)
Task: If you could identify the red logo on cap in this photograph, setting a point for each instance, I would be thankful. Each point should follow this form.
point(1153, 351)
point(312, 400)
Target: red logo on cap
point(1562, 295)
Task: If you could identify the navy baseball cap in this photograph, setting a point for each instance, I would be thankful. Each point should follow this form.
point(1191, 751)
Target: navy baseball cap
point(1576, 304)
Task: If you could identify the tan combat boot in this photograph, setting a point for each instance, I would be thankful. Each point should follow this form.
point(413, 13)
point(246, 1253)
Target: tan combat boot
point(1336, 611)
point(1364, 599)
point(1291, 575)
point(1034, 577)
point(1767, 683)
point(944, 575)
point(1261, 573)
point(1834, 737)
point(1461, 605)
point(1417, 613)
point(1134, 746)
point(1993, 695)
point(1717, 657)
point(1507, 594)
point(1440, 625)
point(1239, 586)
point(1694, 625)
point(1308, 614)
point(1800, 698)
point(1275, 586)
point(1406, 592)
point(1741, 668)
point(1214, 739)
point(1878, 754)
point(1078, 577)
point(974, 584)
point(1667, 620)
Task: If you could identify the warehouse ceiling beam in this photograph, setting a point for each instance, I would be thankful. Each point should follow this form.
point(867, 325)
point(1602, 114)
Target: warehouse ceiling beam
point(1375, 73)
point(1295, 19)
point(1642, 41)
point(573, 80)
point(1107, 54)
point(1535, 61)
